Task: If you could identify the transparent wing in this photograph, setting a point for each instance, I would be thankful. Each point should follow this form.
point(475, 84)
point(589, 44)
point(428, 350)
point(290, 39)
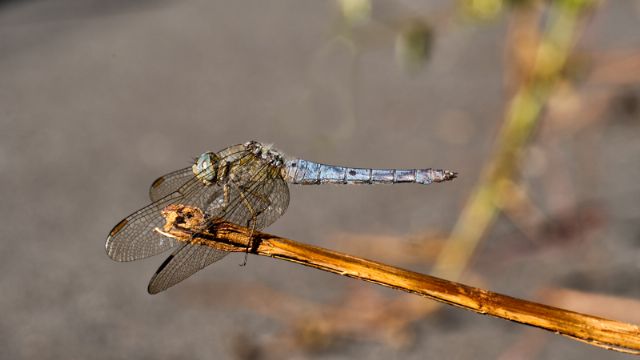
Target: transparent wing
point(266, 194)
point(166, 184)
point(135, 237)
point(262, 200)
point(254, 196)
point(184, 262)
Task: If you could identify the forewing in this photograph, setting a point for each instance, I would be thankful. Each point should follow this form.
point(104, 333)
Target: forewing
point(268, 196)
point(184, 262)
point(135, 237)
point(264, 194)
point(166, 184)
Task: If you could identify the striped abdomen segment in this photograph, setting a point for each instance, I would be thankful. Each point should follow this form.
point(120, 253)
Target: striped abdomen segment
point(309, 173)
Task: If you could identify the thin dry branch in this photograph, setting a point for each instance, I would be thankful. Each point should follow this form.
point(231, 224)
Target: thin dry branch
point(184, 224)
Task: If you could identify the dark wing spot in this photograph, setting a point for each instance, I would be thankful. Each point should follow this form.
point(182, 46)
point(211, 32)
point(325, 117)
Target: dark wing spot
point(116, 229)
point(352, 172)
point(157, 182)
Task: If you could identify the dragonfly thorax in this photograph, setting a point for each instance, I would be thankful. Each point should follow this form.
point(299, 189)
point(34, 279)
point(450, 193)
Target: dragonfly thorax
point(265, 152)
point(205, 167)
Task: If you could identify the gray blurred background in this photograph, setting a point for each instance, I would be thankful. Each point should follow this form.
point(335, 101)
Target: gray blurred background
point(98, 98)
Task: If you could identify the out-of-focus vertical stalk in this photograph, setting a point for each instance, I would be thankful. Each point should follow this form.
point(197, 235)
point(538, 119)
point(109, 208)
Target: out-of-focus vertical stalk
point(522, 113)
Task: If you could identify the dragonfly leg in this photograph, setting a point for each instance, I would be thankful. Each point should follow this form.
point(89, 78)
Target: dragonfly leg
point(225, 195)
point(251, 223)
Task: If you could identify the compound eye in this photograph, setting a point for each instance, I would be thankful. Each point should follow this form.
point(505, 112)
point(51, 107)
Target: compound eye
point(204, 166)
point(205, 160)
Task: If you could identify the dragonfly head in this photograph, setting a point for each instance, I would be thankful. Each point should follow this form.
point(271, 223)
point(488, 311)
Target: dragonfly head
point(205, 167)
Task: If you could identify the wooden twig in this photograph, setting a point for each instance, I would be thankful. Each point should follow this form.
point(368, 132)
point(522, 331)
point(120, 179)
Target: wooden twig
point(609, 334)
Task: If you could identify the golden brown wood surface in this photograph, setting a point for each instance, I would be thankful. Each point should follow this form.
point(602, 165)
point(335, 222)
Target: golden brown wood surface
point(593, 330)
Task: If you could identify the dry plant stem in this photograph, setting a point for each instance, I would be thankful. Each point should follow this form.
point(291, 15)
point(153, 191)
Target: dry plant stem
point(592, 330)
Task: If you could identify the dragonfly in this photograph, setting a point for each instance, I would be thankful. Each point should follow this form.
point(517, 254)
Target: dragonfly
point(246, 184)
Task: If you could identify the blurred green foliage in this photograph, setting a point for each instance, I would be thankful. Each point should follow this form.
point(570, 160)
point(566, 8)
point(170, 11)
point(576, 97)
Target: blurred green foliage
point(413, 44)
